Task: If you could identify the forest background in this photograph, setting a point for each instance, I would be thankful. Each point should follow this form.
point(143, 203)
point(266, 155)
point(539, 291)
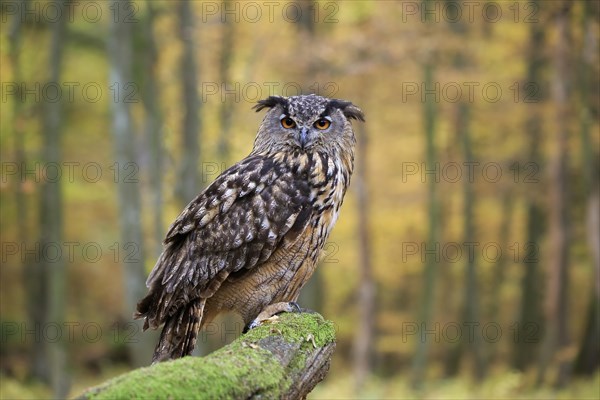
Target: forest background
point(466, 260)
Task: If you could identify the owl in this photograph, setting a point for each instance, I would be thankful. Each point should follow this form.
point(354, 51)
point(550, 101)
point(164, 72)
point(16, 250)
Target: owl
point(252, 239)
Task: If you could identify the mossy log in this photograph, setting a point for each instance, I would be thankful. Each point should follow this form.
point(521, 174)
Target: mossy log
point(283, 359)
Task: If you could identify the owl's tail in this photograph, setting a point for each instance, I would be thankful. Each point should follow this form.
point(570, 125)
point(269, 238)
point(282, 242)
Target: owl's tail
point(178, 337)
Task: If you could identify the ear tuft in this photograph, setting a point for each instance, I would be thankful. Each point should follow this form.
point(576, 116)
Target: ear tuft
point(271, 102)
point(348, 109)
point(353, 112)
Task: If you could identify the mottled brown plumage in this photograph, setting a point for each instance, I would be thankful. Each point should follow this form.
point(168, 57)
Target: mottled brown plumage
point(253, 237)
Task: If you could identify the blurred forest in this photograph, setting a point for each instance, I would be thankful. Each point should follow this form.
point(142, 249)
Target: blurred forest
point(466, 260)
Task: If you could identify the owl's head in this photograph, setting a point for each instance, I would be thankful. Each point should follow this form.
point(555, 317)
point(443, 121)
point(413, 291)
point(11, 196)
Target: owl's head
point(307, 123)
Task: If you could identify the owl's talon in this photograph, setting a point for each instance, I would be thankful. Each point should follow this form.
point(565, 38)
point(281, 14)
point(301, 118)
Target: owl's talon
point(295, 306)
point(271, 311)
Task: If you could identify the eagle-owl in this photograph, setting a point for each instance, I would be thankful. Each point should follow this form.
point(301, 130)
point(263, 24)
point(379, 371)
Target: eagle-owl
point(251, 239)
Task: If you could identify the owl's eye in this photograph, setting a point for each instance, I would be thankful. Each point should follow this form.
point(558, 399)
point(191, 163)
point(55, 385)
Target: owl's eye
point(287, 123)
point(322, 124)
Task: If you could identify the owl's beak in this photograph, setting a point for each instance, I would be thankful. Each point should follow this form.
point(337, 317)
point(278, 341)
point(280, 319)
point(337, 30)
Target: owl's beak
point(304, 139)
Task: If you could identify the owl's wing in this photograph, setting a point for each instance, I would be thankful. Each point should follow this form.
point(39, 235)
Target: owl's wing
point(236, 223)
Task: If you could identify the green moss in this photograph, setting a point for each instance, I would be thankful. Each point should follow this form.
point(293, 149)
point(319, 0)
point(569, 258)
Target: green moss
point(231, 372)
point(296, 327)
point(198, 378)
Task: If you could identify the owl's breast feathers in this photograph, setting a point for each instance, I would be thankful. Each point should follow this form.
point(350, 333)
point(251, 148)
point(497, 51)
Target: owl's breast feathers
point(262, 204)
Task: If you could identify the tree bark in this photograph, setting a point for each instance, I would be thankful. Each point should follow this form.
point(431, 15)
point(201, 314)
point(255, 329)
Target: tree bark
point(53, 272)
point(284, 359)
point(530, 325)
point(429, 275)
point(153, 117)
point(588, 358)
point(32, 272)
point(189, 182)
point(227, 108)
point(471, 310)
point(471, 295)
point(557, 338)
point(500, 267)
point(363, 341)
point(131, 248)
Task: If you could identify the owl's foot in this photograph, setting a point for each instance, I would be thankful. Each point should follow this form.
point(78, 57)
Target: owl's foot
point(271, 311)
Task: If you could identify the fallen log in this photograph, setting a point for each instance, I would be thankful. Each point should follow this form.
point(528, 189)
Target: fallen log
point(285, 358)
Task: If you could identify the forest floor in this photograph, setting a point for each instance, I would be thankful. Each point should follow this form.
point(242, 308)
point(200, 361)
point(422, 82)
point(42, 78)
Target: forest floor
point(509, 385)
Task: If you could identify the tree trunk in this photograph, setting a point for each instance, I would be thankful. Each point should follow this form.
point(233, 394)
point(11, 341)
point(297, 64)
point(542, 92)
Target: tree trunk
point(188, 182)
point(588, 358)
point(501, 265)
point(284, 359)
point(528, 331)
point(363, 341)
point(32, 273)
point(120, 51)
point(53, 271)
point(429, 276)
point(557, 339)
point(153, 121)
point(227, 108)
point(471, 285)
point(499, 272)
point(471, 299)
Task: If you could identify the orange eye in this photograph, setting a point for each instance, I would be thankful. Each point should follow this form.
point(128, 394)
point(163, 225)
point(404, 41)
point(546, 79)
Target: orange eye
point(288, 123)
point(322, 124)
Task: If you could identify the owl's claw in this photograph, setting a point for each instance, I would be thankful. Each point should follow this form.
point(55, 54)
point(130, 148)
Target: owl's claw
point(295, 306)
point(271, 311)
